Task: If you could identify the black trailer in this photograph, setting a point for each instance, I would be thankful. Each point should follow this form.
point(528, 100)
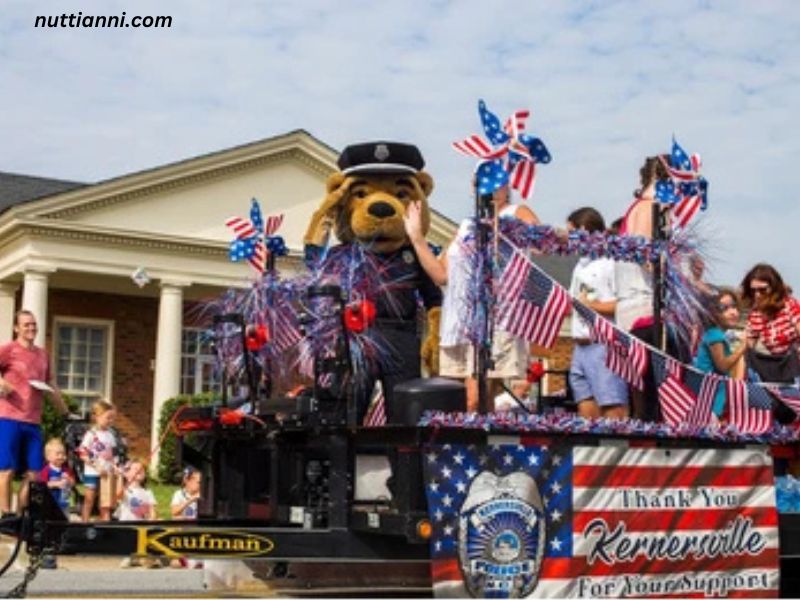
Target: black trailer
point(289, 490)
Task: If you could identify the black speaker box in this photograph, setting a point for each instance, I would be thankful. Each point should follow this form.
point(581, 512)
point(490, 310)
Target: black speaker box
point(413, 397)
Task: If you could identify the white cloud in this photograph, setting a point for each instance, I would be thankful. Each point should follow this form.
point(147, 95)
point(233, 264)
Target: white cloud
point(608, 83)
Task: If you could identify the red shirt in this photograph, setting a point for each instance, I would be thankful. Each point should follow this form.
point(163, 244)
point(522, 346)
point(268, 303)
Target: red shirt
point(18, 366)
point(777, 334)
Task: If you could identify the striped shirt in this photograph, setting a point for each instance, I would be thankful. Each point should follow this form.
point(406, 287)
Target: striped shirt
point(779, 333)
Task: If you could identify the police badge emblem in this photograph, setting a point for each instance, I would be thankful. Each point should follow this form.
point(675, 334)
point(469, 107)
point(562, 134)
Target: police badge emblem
point(501, 536)
point(381, 152)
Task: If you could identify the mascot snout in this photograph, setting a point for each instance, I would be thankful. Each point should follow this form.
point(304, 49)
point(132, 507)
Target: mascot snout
point(381, 209)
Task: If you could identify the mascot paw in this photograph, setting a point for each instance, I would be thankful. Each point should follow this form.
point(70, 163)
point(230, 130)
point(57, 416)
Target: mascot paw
point(430, 346)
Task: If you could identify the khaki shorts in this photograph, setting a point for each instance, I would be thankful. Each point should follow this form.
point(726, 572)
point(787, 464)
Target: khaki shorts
point(110, 483)
point(510, 356)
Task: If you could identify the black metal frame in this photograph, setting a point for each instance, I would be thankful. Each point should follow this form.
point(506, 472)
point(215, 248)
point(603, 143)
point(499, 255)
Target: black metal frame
point(484, 211)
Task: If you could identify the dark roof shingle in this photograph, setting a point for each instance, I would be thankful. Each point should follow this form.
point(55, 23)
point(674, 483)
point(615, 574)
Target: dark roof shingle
point(16, 189)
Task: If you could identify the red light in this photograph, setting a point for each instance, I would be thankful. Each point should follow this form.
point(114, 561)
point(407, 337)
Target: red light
point(195, 425)
point(359, 315)
point(535, 371)
point(229, 416)
point(256, 337)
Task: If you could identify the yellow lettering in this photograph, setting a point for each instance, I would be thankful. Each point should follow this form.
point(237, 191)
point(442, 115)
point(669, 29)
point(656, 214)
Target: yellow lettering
point(219, 544)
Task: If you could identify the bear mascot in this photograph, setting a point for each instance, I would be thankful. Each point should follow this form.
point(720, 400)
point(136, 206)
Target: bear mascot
point(375, 265)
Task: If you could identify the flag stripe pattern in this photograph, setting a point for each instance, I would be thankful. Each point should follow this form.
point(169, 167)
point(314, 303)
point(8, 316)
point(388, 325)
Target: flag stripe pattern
point(749, 407)
point(249, 243)
point(620, 522)
point(679, 402)
point(675, 398)
point(701, 413)
point(626, 356)
point(286, 334)
point(376, 413)
point(685, 210)
point(477, 147)
point(531, 305)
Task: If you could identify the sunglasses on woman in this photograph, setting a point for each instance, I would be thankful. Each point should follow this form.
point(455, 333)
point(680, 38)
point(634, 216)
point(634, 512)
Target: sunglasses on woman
point(759, 289)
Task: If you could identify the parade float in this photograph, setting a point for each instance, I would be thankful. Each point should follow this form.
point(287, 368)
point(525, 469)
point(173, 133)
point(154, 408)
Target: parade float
point(341, 471)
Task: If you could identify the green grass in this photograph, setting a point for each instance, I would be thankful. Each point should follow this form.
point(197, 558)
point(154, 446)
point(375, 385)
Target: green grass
point(163, 493)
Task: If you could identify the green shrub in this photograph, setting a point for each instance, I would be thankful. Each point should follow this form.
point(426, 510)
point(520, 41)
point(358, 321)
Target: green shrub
point(53, 423)
point(169, 471)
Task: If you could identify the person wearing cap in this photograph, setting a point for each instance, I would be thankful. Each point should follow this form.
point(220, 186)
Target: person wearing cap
point(24, 369)
point(364, 207)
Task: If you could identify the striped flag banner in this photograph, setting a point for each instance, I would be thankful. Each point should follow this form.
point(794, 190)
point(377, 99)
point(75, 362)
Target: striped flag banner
point(679, 402)
point(376, 413)
point(627, 356)
point(531, 305)
point(749, 407)
point(675, 398)
point(602, 522)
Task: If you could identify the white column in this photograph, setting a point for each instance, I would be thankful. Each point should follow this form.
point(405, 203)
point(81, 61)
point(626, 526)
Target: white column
point(8, 293)
point(168, 354)
point(34, 299)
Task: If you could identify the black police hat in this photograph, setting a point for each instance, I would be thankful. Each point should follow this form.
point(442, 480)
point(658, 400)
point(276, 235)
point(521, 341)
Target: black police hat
point(380, 157)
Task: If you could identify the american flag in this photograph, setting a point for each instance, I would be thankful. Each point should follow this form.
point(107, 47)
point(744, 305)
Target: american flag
point(249, 241)
point(531, 306)
point(679, 403)
point(285, 332)
point(509, 155)
point(686, 190)
point(789, 395)
point(749, 407)
point(702, 413)
point(599, 503)
point(675, 398)
point(376, 413)
point(626, 356)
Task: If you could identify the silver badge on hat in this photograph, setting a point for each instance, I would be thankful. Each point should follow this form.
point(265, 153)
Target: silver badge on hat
point(381, 152)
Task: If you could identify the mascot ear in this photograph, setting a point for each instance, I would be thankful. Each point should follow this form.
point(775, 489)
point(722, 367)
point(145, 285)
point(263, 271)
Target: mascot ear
point(425, 182)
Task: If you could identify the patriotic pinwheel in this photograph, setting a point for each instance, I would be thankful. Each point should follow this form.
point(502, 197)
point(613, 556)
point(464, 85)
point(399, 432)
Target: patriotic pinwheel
point(508, 157)
point(256, 241)
point(686, 188)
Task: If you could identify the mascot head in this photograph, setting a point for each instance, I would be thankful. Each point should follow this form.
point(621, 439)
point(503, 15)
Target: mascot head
point(368, 197)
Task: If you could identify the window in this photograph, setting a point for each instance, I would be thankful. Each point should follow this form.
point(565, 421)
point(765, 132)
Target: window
point(83, 360)
point(197, 363)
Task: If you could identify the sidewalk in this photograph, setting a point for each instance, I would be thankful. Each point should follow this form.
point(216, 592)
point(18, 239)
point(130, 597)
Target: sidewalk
point(85, 576)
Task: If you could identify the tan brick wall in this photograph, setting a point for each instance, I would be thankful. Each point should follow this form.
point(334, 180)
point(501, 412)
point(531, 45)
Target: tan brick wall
point(558, 358)
point(135, 321)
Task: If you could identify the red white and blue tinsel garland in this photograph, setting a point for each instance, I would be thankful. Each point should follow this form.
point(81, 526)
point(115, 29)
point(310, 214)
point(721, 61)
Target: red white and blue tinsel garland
point(569, 423)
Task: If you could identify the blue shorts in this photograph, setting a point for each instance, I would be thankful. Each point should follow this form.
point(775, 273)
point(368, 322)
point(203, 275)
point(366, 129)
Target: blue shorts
point(91, 481)
point(20, 446)
point(591, 378)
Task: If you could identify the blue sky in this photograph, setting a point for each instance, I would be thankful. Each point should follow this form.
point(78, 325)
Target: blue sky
point(608, 83)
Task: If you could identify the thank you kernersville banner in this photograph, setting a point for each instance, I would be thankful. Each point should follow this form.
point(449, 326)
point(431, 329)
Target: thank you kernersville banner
point(587, 521)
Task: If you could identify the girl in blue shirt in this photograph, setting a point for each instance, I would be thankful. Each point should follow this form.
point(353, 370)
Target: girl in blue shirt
point(714, 354)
